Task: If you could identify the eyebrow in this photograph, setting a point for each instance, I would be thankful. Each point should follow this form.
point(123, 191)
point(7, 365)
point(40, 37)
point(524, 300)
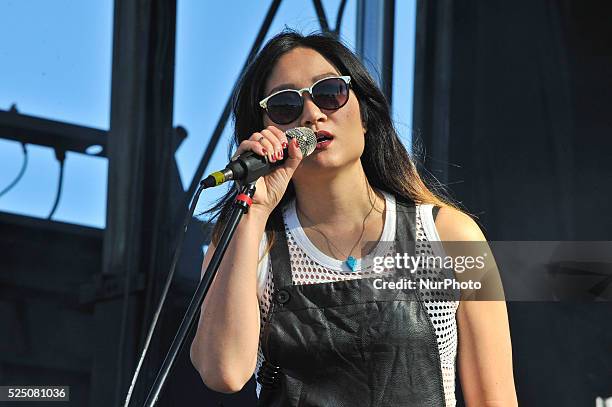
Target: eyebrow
point(292, 86)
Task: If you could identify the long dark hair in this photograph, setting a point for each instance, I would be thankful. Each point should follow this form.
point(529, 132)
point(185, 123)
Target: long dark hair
point(385, 160)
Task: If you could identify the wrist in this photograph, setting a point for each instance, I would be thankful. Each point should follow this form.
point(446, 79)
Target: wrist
point(256, 217)
point(261, 212)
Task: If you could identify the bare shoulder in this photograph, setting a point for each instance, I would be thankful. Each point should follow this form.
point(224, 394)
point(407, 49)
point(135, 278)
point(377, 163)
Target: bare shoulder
point(484, 354)
point(454, 225)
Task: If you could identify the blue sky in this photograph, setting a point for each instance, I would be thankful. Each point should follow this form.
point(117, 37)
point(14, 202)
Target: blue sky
point(56, 63)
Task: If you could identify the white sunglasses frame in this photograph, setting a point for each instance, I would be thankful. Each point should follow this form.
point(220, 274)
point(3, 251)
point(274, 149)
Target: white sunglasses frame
point(264, 102)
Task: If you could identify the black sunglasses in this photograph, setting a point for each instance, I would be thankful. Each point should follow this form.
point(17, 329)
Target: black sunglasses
point(286, 105)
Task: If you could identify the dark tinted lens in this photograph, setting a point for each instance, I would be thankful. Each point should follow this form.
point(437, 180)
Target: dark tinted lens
point(331, 93)
point(284, 107)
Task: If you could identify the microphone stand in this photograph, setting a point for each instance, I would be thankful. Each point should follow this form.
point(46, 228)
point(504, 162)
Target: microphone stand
point(241, 205)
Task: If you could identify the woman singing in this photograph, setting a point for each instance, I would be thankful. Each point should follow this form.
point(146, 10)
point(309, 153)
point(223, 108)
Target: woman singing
point(294, 300)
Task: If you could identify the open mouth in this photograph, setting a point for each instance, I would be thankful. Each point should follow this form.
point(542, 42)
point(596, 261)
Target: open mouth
point(323, 136)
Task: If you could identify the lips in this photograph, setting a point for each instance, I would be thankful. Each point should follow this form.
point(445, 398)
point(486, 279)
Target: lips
point(324, 135)
point(324, 139)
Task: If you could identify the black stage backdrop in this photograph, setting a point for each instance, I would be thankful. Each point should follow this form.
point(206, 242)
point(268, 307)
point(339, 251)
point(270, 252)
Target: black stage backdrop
point(513, 112)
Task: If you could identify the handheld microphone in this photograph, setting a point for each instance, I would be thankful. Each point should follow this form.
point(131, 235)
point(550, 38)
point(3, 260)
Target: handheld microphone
point(249, 166)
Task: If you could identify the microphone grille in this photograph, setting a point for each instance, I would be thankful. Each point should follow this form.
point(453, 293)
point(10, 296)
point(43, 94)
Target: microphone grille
point(307, 139)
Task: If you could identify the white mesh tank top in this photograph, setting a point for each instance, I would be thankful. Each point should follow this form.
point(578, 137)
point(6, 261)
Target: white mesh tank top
point(309, 266)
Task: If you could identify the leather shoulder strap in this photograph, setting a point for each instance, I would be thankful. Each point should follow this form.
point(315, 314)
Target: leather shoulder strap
point(434, 212)
point(405, 231)
point(279, 253)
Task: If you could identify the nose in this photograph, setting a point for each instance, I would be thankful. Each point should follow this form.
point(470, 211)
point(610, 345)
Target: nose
point(311, 113)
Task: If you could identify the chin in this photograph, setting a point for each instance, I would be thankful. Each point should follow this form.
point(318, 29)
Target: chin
point(323, 159)
point(325, 162)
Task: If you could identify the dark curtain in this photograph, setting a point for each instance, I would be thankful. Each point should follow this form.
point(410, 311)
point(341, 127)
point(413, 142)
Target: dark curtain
point(513, 114)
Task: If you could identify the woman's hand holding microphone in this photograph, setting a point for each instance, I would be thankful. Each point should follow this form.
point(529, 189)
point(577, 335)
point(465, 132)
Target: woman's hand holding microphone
point(270, 188)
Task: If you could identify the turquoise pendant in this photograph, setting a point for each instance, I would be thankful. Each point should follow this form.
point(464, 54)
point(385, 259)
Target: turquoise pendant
point(351, 262)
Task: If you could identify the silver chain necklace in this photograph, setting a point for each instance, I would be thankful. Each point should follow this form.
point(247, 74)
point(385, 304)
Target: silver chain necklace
point(350, 261)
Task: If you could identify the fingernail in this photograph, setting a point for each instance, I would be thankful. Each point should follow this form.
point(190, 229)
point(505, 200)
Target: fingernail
point(279, 154)
point(263, 150)
point(284, 144)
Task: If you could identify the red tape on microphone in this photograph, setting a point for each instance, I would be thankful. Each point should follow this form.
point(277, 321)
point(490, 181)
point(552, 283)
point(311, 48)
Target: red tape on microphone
point(244, 198)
